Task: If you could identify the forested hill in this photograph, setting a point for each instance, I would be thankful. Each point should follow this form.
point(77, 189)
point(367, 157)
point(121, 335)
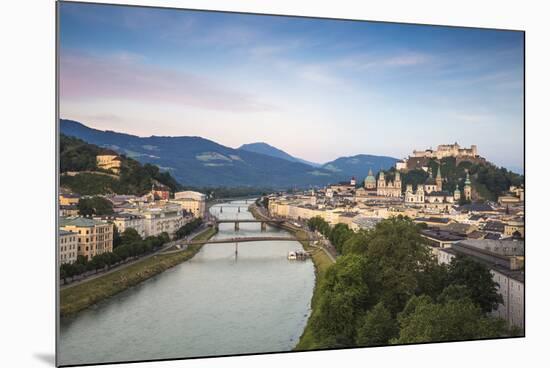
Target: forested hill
point(488, 180)
point(76, 155)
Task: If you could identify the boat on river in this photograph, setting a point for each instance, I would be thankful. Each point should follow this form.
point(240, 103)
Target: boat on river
point(298, 254)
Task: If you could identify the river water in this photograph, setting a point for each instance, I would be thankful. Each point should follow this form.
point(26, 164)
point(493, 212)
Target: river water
point(214, 304)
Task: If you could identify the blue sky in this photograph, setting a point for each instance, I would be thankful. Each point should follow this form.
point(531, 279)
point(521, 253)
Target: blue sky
point(318, 89)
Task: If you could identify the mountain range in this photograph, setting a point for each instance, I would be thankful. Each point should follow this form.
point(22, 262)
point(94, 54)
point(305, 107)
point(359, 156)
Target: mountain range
point(199, 162)
point(266, 149)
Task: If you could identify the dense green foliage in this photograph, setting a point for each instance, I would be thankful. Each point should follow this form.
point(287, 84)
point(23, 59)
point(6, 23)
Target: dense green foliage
point(453, 319)
point(386, 287)
point(95, 206)
point(188, 228)
point(131, 245)
point(377, 328)
point(134, 178)
point(471, 274)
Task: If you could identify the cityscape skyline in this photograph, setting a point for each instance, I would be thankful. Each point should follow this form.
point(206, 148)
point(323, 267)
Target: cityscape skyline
point(257, 78)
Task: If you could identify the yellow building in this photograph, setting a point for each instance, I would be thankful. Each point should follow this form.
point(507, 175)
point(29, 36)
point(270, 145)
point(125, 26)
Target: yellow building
point(94, 237)
point(67, 199)
point(109, 160)
point(511, 227)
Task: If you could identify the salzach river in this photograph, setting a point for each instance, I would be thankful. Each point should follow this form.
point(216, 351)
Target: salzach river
point(214, 304)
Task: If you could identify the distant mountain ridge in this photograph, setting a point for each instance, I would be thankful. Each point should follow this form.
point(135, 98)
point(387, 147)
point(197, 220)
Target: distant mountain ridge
point(267, 149)
point(359, 165)
point(195, 161)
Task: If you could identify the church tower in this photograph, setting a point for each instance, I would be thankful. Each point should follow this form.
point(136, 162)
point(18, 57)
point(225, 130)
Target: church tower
point(381, 180)
point(468, 187)
point(439, 180)
point(456, 194)
point(397, 184)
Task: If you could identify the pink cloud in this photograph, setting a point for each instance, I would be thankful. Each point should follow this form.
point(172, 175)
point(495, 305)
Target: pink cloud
point(127, 77)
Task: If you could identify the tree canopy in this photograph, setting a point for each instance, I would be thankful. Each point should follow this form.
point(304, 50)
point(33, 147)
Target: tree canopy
point(387, 287)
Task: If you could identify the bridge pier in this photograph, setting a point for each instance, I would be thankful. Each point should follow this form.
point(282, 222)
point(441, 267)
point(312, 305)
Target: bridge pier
point(264, 226)
point(236, 226)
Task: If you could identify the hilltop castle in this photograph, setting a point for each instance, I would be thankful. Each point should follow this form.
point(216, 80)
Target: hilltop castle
point(447, 150)
point(421, 159)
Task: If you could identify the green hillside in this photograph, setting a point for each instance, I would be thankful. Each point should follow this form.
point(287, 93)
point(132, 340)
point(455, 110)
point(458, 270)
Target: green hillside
point(134, 178)
point(488, 180)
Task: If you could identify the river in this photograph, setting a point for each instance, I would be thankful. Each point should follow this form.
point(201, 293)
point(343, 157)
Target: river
point(217, 303)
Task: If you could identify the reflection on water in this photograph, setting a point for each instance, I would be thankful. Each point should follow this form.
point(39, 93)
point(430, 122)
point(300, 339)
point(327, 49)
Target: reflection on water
point(214, 304)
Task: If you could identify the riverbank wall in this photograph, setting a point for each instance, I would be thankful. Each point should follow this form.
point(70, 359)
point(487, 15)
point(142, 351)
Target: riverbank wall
point(321, 262)
point(79, 297)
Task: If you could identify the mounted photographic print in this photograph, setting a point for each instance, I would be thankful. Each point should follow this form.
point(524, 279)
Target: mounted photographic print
point(233, 183)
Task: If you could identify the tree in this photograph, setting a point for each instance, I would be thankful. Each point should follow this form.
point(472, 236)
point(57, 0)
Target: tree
point(344, 296)
point(357, 243)
point(339, 235)
point(454, 292)
point(377, 328)
point(433, 280)
point(95, 206)
point(479, 281)
point(461, 319)
point(117, 239)
point(396, 255)
point(188, 228)
point(130, 236)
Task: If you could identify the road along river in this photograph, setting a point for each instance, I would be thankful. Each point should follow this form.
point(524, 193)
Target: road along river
point(217, 303)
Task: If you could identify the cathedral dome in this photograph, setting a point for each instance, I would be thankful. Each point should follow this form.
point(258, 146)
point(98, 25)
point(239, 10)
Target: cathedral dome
point(370, 178)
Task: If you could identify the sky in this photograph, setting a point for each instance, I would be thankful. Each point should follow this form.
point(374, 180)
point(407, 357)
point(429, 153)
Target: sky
point(318, 89)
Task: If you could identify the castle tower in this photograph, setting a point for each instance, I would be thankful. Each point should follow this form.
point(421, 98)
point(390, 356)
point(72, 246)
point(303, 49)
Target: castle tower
point(439, 180)
point(456, 194)
point(468, 187)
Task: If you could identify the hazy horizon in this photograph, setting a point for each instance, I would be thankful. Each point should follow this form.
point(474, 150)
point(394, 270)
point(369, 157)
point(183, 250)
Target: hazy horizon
point(317, 89)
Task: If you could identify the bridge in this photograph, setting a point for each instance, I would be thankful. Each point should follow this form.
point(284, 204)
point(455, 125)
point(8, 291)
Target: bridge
point(248, 239)
point(239, 221)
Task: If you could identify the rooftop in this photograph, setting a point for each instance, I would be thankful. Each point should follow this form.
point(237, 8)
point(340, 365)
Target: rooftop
point(476, 207)
point(65, 232)
point(439, 220)
point(441, 235)
point(79, 222)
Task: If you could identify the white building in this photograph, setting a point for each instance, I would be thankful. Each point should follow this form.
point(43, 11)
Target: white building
point(125, 221)
point(192, 202)
point(68, 246)
point(168, 218)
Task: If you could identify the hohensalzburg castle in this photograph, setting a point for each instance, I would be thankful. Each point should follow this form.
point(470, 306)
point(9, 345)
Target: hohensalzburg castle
point(447, 150)
point(420, 159)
